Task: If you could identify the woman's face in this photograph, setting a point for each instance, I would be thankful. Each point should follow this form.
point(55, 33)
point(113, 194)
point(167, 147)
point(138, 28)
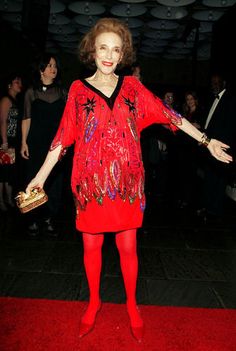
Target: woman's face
point(50, 71)
point(16, 85)
point(108, 52)
point(190, 100)
point(169, 98)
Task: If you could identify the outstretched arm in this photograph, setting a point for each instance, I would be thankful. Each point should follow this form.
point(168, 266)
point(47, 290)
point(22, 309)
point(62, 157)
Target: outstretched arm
point(216, 147)
point(40, 178)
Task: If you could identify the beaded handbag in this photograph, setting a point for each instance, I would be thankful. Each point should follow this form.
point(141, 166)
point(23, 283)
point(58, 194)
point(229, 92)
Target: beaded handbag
point(27, 202)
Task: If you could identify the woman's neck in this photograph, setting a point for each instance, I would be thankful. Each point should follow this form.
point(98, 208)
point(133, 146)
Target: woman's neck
point(46, 81)
point(106, 78)
point(12, 94)
point(192, 108)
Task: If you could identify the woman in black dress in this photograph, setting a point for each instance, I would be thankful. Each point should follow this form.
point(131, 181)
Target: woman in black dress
point(43, 108)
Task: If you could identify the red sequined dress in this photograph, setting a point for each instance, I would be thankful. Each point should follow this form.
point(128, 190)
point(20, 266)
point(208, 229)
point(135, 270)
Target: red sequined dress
point(108, 175)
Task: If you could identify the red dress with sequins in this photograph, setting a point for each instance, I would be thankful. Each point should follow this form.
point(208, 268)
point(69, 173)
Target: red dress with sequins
point(108, 176)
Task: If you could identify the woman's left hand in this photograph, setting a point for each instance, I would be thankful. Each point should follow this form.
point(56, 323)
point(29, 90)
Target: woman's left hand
point(218, 150)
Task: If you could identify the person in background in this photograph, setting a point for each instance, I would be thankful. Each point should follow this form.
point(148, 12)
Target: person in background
point(154, 141)
point(187, 155)
point(169, 99)
point(167, 151)
point(43, 108)
point(220, 122)
point(192, 109)
point(104, 116)
point(9, 118)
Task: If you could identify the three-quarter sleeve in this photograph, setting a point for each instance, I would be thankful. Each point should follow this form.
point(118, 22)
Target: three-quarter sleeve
point(151, 109)
point(28, 103)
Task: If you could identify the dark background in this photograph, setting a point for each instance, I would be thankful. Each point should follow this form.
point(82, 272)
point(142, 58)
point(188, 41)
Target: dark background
point(19, 48)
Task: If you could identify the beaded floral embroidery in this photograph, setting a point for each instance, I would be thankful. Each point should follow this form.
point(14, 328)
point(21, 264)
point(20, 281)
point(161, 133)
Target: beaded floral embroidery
point(107, 155)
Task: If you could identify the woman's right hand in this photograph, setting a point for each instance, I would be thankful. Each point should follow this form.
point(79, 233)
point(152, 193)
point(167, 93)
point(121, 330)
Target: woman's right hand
point(35, 183)
point(40, 178)
point(24, 151)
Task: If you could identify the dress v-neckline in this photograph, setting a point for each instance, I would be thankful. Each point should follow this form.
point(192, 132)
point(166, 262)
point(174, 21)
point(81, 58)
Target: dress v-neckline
point(109, 100)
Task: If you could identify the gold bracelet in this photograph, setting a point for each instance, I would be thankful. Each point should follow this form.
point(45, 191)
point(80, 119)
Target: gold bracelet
point(205, 140)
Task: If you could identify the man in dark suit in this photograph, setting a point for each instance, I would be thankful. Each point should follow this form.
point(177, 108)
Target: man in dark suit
point(220, 124)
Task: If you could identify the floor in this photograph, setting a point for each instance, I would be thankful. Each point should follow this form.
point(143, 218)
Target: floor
point(182, 262)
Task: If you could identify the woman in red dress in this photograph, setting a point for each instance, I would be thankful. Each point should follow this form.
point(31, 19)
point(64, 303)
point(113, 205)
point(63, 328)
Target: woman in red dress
point(103, 118)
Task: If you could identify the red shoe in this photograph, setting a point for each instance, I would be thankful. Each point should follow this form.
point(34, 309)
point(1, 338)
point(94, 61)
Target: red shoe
point(137, 333)
point(85, 328)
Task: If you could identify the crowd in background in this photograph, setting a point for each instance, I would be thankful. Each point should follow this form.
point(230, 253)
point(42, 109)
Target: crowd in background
point(30, 112)
point(178, 170)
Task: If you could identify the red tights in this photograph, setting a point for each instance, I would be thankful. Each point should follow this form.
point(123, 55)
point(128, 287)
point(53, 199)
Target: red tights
point(126, 244)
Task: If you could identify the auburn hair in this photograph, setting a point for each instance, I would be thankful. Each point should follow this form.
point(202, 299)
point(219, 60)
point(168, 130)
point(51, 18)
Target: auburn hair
point(106, 25)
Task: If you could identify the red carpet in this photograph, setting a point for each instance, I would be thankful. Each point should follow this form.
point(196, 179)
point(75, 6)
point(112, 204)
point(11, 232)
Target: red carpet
point(46, 325)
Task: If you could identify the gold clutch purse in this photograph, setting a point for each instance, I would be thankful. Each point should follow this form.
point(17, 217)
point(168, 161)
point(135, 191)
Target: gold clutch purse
point(27, 202)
